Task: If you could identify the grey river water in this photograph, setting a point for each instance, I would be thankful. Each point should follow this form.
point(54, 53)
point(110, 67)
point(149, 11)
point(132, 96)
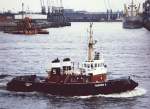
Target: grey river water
point(126, 53)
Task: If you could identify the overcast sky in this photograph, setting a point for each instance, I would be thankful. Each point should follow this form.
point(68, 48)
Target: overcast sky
point(88, 5)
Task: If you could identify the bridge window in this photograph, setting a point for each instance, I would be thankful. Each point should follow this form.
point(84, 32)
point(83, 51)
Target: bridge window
point(99, 65)
point(91, 65)
point(88, 65)
point(96, 65)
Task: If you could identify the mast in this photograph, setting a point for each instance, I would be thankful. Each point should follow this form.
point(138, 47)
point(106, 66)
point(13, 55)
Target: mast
point(138, 9)
point(132, 6)
point(126, 10)
point(90, 44)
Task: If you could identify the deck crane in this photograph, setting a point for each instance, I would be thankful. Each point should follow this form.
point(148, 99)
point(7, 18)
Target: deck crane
point(43, 8)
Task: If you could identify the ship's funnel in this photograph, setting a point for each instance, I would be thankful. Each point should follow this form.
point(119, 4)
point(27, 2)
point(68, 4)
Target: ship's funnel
point(56, 66)
point(67, 64)
point(56, 63)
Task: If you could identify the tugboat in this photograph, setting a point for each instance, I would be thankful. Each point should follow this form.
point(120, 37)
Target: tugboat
point(132, 18)
point(26, 27)
point(64, 80)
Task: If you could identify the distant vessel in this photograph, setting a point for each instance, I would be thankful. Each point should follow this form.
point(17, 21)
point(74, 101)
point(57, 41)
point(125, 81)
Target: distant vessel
point(64, 80)
point(132, 18)
point(25, 26)
point(146, 14)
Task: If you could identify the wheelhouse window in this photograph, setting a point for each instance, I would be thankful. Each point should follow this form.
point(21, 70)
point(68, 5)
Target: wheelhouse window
point(91, 65)
point(95, 64)
point(88, 65)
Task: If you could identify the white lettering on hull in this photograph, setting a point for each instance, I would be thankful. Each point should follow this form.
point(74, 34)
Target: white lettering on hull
point(99, 85)
point(28, 84)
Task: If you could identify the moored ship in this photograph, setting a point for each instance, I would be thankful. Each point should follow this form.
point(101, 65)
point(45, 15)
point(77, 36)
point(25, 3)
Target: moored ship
point(146, 14)
point(64, 80)
point(132, 18)
point(25, 26)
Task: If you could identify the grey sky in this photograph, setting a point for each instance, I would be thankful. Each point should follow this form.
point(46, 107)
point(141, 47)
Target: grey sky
point(88, 5)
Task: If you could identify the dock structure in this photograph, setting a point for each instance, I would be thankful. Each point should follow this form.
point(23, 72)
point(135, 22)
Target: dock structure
point(146, 14)
point(146, 9)
point(56, 15)
point(84, 16)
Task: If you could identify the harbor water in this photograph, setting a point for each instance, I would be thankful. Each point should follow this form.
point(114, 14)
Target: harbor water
point(126, 53)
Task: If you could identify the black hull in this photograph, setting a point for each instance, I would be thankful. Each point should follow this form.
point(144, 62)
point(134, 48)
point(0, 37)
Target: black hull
point(132, 22)
point(147, 25)
point(73, 89)
point(132, 25)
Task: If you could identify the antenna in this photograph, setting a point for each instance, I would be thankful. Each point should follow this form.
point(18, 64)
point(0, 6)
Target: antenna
point(109, 6)
point(61, 4)
point(41, 3)
point(48, 6)
point(22, 10)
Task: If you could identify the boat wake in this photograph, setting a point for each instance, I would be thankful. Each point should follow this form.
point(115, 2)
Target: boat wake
point(134, 93)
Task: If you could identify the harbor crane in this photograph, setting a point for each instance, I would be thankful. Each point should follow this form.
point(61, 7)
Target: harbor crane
point(43, 8)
